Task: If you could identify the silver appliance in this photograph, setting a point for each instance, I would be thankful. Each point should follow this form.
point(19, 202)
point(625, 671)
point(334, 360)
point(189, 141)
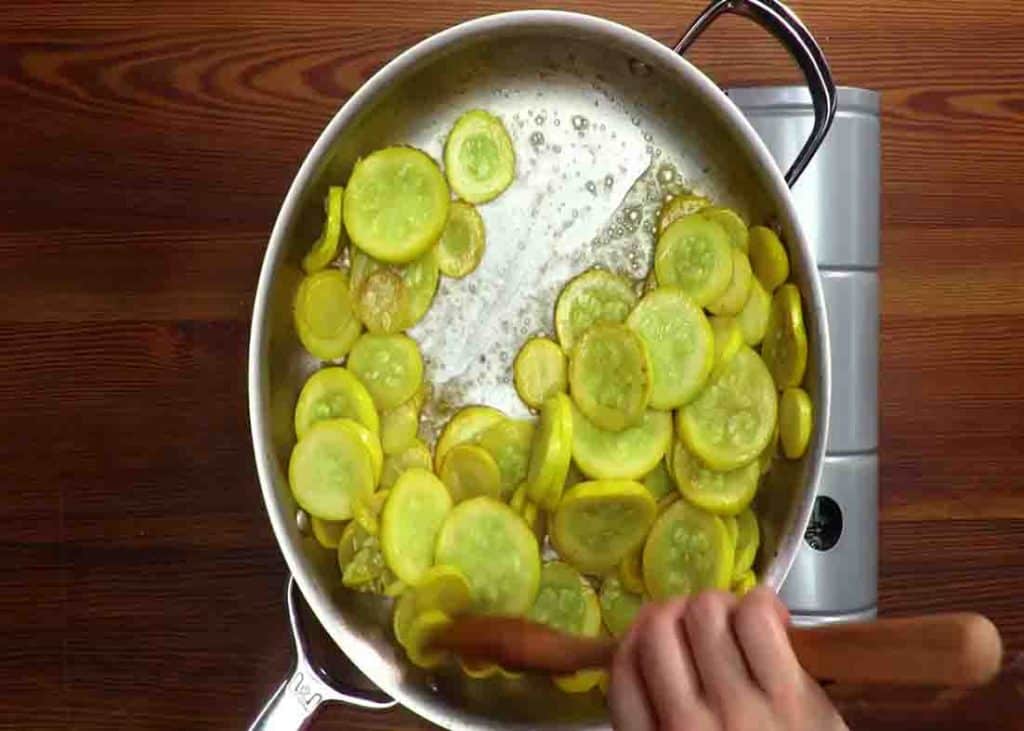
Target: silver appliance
point(835, 575)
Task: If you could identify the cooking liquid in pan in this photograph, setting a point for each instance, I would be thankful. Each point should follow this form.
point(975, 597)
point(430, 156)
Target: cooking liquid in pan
point(590, 181)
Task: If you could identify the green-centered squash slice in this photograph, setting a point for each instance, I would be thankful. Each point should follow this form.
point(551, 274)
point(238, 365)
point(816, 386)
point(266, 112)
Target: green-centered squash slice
point(735, 227)
point(419, 636)
point(470, 471)
point(420, 277)
point(478, 157)
point(722, 493)
point(400, 425)
point(539, 371)
point(327, 532)
point(353, 537)
point(628, 454)
point(404, 614)
point(565, 601)
point(366, 511)
point(795, 422)
point(445, 589)
point(325, 248)
point(413, 514)
point(390, 366)
point(768, 454)
point(441, 589)
point(735, 296)
point(680, 345)
point(390, 298)
point(694, 254)
point(551, 452)
point(329, 469)
point(362, 563)
point(382, 301)
point(597, 524)
point(610, 376)
point(370, 441)
point(753, 318)
point(768, 257)
point(324, 316)
point(496, 551)
point(333, 393)
point(732, 419)
point(592, 297)
point(462, 243)
point(785, 341)
point(619, 606)
point(748, 539)
point(396, 204)
point(416, 455)
point(631, 572)
point(679, 206)
point(728, 339)
point(688, 550)
point(508, 441)
point(465, 426)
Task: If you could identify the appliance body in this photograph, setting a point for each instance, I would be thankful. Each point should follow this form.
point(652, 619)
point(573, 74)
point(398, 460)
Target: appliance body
point(835, 575)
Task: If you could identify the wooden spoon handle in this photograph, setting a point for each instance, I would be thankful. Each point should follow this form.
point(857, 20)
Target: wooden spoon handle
point(939, 649)
point(518, 644)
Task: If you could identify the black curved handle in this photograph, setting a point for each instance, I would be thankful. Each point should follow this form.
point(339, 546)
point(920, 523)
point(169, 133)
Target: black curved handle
point(782, 23)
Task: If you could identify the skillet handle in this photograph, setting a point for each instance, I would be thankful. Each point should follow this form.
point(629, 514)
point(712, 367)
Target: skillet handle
point(296, 701)
point(782, 23)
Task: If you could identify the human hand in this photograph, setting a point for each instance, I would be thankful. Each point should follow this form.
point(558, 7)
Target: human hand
point(713, 662)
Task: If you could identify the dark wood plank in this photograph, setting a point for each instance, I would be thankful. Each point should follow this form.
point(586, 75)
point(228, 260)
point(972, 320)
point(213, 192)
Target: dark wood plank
point(934, 565)
point(146, 149)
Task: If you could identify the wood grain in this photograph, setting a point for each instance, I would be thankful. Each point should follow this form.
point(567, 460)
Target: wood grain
point(146, 149)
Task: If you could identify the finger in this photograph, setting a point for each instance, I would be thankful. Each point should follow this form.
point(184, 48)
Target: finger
point(627, 699)
point(673, 688)
point(719, 662)
point(760, 625)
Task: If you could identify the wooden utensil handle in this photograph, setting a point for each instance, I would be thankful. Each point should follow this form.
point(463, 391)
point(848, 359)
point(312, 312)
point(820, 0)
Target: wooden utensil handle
point(939, 649)
point(518, 644)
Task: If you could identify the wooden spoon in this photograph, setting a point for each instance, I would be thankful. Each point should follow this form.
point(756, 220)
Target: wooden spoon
point(939, 649)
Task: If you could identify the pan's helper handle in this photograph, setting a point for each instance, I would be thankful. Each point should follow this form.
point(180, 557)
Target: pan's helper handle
point(297, 699)
point(959, 650)
point(782, 23)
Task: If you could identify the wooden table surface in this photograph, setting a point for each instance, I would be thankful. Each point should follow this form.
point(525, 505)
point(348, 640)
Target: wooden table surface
point(146, 147)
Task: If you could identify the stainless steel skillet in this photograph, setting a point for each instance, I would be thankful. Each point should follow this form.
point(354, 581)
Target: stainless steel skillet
point(605, 122)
